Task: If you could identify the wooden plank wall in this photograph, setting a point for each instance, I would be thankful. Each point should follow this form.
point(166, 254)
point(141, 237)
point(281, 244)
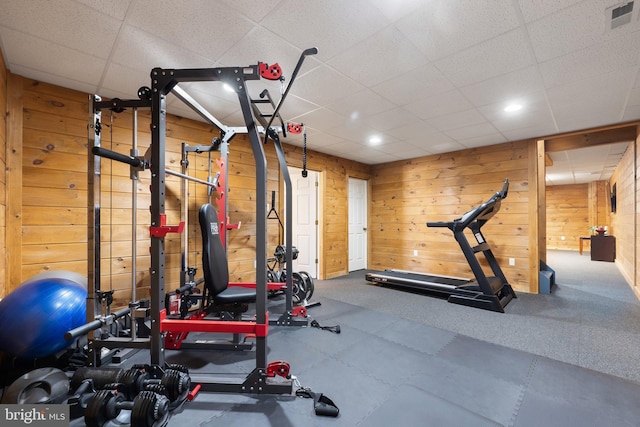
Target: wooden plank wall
point(567, 216)
point(406, 194)
point(636, 168)
point(55, 193)
point(600, 205)
point(3, 175)
point(54, 190)
point(403, 196)
point(623, 218)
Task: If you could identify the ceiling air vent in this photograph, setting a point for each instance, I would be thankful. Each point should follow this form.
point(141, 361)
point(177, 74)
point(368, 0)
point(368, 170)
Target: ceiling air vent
point(619, 15)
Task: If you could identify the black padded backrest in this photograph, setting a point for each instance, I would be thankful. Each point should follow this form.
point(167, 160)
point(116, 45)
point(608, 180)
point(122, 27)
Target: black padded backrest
point(214, 257)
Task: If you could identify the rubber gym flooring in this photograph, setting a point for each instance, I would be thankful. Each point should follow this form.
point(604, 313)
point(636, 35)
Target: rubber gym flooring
point(382, 369)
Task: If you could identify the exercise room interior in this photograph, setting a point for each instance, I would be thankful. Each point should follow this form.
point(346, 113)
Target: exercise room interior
point(301, 213)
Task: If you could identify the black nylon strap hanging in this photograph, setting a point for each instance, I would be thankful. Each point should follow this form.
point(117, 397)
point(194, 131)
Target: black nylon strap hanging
point(322, 405)
point(304, 151)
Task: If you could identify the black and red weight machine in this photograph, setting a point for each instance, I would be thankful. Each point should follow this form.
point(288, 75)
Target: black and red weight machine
point(262, 379)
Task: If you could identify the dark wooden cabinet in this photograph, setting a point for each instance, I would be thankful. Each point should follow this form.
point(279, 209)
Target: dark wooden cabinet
point(603, 248)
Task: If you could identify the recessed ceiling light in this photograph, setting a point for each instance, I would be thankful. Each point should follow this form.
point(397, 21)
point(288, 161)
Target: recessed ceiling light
point(375, 140)
point(512, 108)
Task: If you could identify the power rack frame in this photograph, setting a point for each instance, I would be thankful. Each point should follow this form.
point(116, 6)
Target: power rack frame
point(163, 83)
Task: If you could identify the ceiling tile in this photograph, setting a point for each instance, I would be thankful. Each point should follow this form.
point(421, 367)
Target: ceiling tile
point(323, 85)
point(162, 19)
point(416, 132)
point(53, 79)
point(30, 53)
point(445, 103)
point(390, 119)
point(483, 140)
point(395, 10)
point(535, 110)
point(382, 56)
point(361, 104)
point(253, 48)
point(321, 118)
point(574, 28)
point(599, 100)
point(440, 29)
point(419, 82)
point(502, 54)
point(469, 132)
point(253, 9)
point(70, 24)
point(121, 79)
point(533, 10)
point(505, 87)
point(596, 60)
point(329, 31)
point(115, 9)
point(457, 120)
point(139, 50)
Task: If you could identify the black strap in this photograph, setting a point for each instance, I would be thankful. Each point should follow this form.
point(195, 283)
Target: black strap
point(321, 404)
point(335, 329)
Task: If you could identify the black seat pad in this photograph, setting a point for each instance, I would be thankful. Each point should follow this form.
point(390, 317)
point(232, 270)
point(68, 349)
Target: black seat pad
point(236, 294)
point(214, 261)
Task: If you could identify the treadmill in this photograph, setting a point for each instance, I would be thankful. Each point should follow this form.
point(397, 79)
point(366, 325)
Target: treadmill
point(485, 292)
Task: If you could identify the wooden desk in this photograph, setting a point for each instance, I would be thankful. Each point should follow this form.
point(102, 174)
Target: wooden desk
point(582, 239)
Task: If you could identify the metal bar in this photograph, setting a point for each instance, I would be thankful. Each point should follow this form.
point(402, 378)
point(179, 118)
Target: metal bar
point(184, 215)
point(134, 216)
point(93, 224)
point(160, 85)
point(305, 53)
point(261, 221)
point(198, 108)
point(195, 106)
point(92, 326)
point(189, 178)
point(118, 157)
point(288, 214)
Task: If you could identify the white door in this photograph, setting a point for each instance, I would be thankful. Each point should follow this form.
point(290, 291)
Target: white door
point(305, 224)
point(357, 224)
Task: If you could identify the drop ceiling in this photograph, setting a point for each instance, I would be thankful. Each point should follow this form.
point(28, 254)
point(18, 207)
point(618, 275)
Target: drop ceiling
point(424, 77)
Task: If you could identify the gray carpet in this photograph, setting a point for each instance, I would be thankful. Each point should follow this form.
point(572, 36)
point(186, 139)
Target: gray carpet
point(591, 319)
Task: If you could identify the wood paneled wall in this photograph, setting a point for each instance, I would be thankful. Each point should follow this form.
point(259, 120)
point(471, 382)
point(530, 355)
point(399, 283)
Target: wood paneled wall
point(567, 216)
point(636, 168)
point(623, 219)
point(407, 194)
point(3, 175)
point(53, 205)
point(49, 223)
point(600, 205)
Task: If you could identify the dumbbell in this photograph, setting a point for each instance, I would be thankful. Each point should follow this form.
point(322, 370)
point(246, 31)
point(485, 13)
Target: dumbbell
point(148, 409)
point(84, 383)
point(174, 382)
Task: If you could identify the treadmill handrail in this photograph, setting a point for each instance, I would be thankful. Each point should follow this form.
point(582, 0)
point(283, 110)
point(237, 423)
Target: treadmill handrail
point(484, 211)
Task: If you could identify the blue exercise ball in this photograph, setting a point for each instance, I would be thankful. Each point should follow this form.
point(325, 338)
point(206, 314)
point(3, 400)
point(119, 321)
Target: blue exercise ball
point(35, 316)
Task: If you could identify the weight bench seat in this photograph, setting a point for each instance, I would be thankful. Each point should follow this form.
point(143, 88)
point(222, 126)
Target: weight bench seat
point(214, 262)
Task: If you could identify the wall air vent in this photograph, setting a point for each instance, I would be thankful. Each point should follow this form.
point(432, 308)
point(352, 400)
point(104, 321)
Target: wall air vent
point(619, 15)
